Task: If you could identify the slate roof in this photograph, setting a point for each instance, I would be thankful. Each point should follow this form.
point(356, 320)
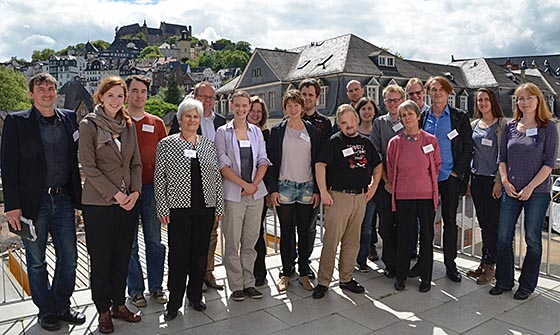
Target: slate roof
point(539, 61)
point(229, 87)
point(279, 61)
point(75, 92)
point(441, 70)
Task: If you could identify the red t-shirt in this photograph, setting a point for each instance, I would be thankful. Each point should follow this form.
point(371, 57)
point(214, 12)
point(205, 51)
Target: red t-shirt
point(149, 130)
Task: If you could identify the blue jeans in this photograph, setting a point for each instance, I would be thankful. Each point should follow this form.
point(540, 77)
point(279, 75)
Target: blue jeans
point(56, 216)
point(367, 229)
point(535, 210)
point(155, 250)
point(292, 192)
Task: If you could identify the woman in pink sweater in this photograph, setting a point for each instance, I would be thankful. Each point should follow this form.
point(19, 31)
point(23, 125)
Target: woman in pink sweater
point(413, 162)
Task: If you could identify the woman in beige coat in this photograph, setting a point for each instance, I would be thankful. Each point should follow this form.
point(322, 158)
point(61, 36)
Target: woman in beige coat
point(112, 167)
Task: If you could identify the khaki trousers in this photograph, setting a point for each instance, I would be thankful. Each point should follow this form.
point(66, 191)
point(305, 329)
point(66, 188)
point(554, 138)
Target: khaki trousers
point(343, 224)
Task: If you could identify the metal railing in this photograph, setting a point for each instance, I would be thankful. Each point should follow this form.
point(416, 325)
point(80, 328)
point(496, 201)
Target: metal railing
point(470, 245)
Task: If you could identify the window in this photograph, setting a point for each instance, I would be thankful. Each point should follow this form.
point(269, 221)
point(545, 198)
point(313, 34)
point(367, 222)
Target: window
point(451, 99)
point(261, 95)
point(388, 61)
point(216, 105)
point(372, 91)
point(513, 103)
point(271, 100)
point(322, 103)
point(464, 101)
point(550, 99)
point(224, 106)
point(255, 73)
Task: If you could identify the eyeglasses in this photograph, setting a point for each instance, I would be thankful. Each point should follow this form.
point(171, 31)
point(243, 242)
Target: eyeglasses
point(392, 101)
point(528, 99)
point(414, 93)
point(205, 97)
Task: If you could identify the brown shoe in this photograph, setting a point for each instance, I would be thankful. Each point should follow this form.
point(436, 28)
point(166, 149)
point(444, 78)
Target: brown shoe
point(122, 312)
point(210, 281)
point(105, 324)
point(488, 276)
point(476, 273)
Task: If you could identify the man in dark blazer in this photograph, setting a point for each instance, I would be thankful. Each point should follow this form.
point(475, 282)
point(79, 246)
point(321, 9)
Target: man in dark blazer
point(205, 93)
point(41, 182)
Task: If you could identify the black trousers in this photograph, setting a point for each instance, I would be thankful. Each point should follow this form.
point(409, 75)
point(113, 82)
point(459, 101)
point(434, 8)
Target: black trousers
point(189, 240)
point(488, 213)
point(448, 190)
point(259, 269)
point(290, 217)
point(387, 227)
point(409, 213)
point(109, 232)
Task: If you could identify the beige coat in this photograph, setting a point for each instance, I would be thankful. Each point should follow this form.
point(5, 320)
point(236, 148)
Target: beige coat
point(106, 167)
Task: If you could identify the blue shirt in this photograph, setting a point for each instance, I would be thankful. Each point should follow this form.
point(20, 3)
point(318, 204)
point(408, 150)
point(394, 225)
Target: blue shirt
point(440, 127)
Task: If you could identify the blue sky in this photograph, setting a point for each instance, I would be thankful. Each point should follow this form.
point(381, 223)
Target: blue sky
point(423, 30)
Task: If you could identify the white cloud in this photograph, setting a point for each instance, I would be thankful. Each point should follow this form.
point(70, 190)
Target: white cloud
point(430, 30)
point(39, 41)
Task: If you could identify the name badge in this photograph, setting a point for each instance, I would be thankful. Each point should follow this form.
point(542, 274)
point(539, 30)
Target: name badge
point(347, 152)
point(452, 134)
point(398, 127)
point(244, 144)
point(190, 153)
point(148, 128)
point(305, 137)
point(532, 132)
point(428, 148)
point(487, 142)
point(76, 135)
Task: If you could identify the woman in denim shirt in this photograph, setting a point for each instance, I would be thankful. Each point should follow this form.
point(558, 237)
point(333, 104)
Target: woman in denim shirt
point(293, 148)
point(527, 156)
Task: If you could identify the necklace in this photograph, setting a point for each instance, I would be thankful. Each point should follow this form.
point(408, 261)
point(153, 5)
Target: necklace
point(193, 142)
point(411, 138)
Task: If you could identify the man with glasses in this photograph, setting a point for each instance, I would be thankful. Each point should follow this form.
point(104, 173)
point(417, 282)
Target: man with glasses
point(205, 93)
point(384, 128)
point(415, 92)
point(453, 130)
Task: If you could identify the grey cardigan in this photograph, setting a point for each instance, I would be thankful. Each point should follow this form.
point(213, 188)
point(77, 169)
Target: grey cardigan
point(105, 168)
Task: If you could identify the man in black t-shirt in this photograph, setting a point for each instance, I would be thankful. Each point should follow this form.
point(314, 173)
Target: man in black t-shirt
point(344, 176)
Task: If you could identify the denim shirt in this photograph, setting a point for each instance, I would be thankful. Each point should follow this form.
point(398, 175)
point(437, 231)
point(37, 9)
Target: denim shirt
point(228, 155)
point(440, 127)
point(55, 145)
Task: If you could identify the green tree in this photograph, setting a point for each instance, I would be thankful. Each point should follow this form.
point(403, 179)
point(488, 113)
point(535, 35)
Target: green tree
point(233, 58)
point(243, 46)
point(100, 44)
point(172, 93)
point(159, 107)
point(13, 90)
point(173, 39)
point(150, 51)
point(44, 54)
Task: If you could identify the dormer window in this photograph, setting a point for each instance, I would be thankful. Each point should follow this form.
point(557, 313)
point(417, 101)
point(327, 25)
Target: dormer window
point(388, 61)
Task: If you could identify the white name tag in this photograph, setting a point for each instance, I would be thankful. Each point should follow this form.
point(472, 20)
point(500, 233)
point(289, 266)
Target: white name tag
point(190, 153)
point(452, 134)
point(76, 135)
point(487, 142)
point(532, 132)
point(305, 137)
point(428, 148)
point(244, 144)
point(397, 127)
point(347, 152)
point(148, 128)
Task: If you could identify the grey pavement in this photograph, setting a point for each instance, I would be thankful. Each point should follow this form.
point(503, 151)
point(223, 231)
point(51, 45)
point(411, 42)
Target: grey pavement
point(449, 308)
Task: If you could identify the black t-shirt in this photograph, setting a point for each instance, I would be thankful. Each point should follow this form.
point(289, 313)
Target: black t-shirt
point(350, 161)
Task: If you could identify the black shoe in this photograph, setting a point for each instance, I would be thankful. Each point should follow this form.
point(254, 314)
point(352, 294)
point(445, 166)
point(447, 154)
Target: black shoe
point(454, 275)
point(319, 291)
point(352, 286)
point(373, 256)
point(399, 285)
point(73, 317)
point(521, 295)
point(389, 273)
point(170, 315)
point(252, 293)
point(498, 290)
point(414, 272)
point(49, 322)
point(425, 286)
point(197, 305)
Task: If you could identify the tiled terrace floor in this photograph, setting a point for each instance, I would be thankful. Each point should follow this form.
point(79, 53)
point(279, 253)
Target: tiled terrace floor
point(449, 308)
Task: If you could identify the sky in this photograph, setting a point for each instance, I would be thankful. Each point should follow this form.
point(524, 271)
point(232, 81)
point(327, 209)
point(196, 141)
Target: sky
point(429, 30)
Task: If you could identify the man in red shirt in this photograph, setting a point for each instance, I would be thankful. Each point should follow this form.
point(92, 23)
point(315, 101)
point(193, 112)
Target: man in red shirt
point(150, 129)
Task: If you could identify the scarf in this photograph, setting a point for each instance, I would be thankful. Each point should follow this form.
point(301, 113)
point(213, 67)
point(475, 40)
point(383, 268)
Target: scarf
point(107, 128)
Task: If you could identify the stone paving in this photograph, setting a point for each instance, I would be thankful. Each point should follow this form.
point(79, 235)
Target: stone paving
point(449, 308)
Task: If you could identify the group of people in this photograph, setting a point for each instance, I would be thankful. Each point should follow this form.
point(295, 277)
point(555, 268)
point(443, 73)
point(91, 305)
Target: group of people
point(209, 172)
